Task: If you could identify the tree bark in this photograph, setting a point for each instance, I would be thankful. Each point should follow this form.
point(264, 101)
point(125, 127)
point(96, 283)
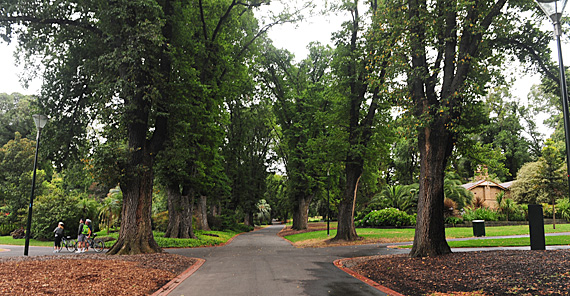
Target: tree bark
point(248, 219)
point(202, 211)
point(435, 145)
point(136, 235)
point(179, 214)
point(345, 229)
point(301, 212)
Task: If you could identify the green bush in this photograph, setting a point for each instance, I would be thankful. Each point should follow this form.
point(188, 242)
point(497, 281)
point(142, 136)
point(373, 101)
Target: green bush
point(563, 208)
point(160, 221)
point(480, 214)
point(387, 217)
point(453, 220)
point(6, 229)
point(52, 208)
point(226, 222)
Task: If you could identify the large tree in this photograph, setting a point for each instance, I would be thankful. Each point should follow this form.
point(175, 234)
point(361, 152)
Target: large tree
point(361, 84)
point(109, 61)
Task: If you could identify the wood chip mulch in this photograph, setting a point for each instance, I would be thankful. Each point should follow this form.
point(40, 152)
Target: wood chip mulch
point(89, 274)
point(471, 273)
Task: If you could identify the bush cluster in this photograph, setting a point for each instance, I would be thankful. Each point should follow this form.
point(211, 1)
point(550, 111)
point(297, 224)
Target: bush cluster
point(387, 217)
point(480, 214)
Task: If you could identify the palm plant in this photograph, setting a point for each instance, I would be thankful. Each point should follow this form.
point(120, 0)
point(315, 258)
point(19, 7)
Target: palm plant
point(110, 209)
point(402, 197)
point(453, 190)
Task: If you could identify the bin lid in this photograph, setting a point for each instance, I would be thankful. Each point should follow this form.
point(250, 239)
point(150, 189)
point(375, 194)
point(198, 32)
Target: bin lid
point(478, 221)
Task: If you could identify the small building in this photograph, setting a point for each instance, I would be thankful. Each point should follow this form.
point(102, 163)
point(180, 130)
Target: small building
point(487, 191)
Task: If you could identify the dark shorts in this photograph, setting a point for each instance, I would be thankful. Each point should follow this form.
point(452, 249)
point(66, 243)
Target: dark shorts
point(81, 238)
point(57, 242)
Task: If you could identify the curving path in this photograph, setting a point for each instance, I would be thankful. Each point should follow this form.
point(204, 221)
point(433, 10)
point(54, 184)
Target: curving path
point(261, 263)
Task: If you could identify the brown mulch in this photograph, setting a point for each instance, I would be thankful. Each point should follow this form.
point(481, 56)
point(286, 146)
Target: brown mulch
point(90, 274)
point(471, 273)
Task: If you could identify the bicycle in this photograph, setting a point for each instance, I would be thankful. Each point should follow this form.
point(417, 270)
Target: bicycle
point(68, 243)
point(97, 244)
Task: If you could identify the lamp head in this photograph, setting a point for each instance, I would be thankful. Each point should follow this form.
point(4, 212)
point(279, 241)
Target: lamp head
point(40, 120)
point(553, 8)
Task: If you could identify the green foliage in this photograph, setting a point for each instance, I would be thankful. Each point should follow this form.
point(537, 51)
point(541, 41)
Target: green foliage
point(563, 208)
point(387, 217)
point(453, 220)
point(543, 180)
point(52, 208)
point(160, 221)
point(480, 214)
point(402, 197)
point(453, 190)
point(110, 209)
point(15, 117)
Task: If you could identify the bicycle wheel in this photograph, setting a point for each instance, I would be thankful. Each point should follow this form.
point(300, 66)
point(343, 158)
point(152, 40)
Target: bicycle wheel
point(98, 246)
point(71, 245)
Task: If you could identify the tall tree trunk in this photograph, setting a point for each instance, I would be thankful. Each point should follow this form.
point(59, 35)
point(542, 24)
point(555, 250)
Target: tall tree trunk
point(435, 145)
point(136, 235)
point(248, 219)
point(179, 214)
point(202, 213)
point(345, 229)
point(301, 212)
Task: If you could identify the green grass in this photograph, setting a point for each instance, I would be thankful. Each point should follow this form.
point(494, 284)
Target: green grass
point(8, 240)
point(201, 239)
point(508, 242)
point(407, 234)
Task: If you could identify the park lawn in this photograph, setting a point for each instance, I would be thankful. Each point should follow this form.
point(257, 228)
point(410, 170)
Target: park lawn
point(202, 239)
point(505, 242)
point(8, 240)
point(407, 234)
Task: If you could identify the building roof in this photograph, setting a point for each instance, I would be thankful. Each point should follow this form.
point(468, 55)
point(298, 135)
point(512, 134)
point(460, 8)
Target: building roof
point(472, 185)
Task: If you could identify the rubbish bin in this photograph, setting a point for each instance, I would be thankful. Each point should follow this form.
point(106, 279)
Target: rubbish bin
point(478, 227)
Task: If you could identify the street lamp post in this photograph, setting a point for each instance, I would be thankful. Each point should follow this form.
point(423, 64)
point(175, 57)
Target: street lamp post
point(40, 121)
point(553, 9)
point(328, 202)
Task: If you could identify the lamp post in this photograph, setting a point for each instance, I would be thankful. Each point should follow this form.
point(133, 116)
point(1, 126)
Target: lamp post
point(328, 203)
point(40, 121)
point(553, 9)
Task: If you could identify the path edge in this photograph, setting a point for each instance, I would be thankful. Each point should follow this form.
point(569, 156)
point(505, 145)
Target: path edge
point(340, 264)
point(175, 282)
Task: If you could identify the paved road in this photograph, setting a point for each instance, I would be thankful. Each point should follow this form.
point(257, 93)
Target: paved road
point(261, 263)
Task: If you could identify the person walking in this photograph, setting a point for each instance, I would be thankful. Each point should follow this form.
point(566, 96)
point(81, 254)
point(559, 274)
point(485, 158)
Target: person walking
point(80, 237)
point(87, 230)
point(58, 236)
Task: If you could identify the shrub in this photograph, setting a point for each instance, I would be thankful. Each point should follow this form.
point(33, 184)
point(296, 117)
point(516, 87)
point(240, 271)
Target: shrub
point(52, 208)
point(225, 222)
point(563, 208)
point(160, 221)
point(387, 217)
point(480, 214)
point(453, 220)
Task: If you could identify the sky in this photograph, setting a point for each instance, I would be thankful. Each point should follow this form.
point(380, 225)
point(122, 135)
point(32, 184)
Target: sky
point(293, 37)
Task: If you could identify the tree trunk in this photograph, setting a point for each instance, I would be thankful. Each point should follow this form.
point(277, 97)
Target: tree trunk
point(135, 236)
point(301, 212)
point(345, 229)
point(248, 219)
point(435, 145)
point(179, 214)
point(202, 211)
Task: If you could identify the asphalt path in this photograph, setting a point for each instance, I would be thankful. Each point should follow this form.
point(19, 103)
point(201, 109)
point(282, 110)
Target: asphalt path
point(262, 263)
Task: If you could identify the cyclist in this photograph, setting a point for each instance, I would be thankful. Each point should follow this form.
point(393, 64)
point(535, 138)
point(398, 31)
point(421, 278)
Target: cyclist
point(80, 237)
point(58, 236)
point(82, 244)
point(89, 233)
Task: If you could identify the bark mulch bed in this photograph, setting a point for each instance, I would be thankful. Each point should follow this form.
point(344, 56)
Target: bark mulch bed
point(471, 273)
point(89, 274)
